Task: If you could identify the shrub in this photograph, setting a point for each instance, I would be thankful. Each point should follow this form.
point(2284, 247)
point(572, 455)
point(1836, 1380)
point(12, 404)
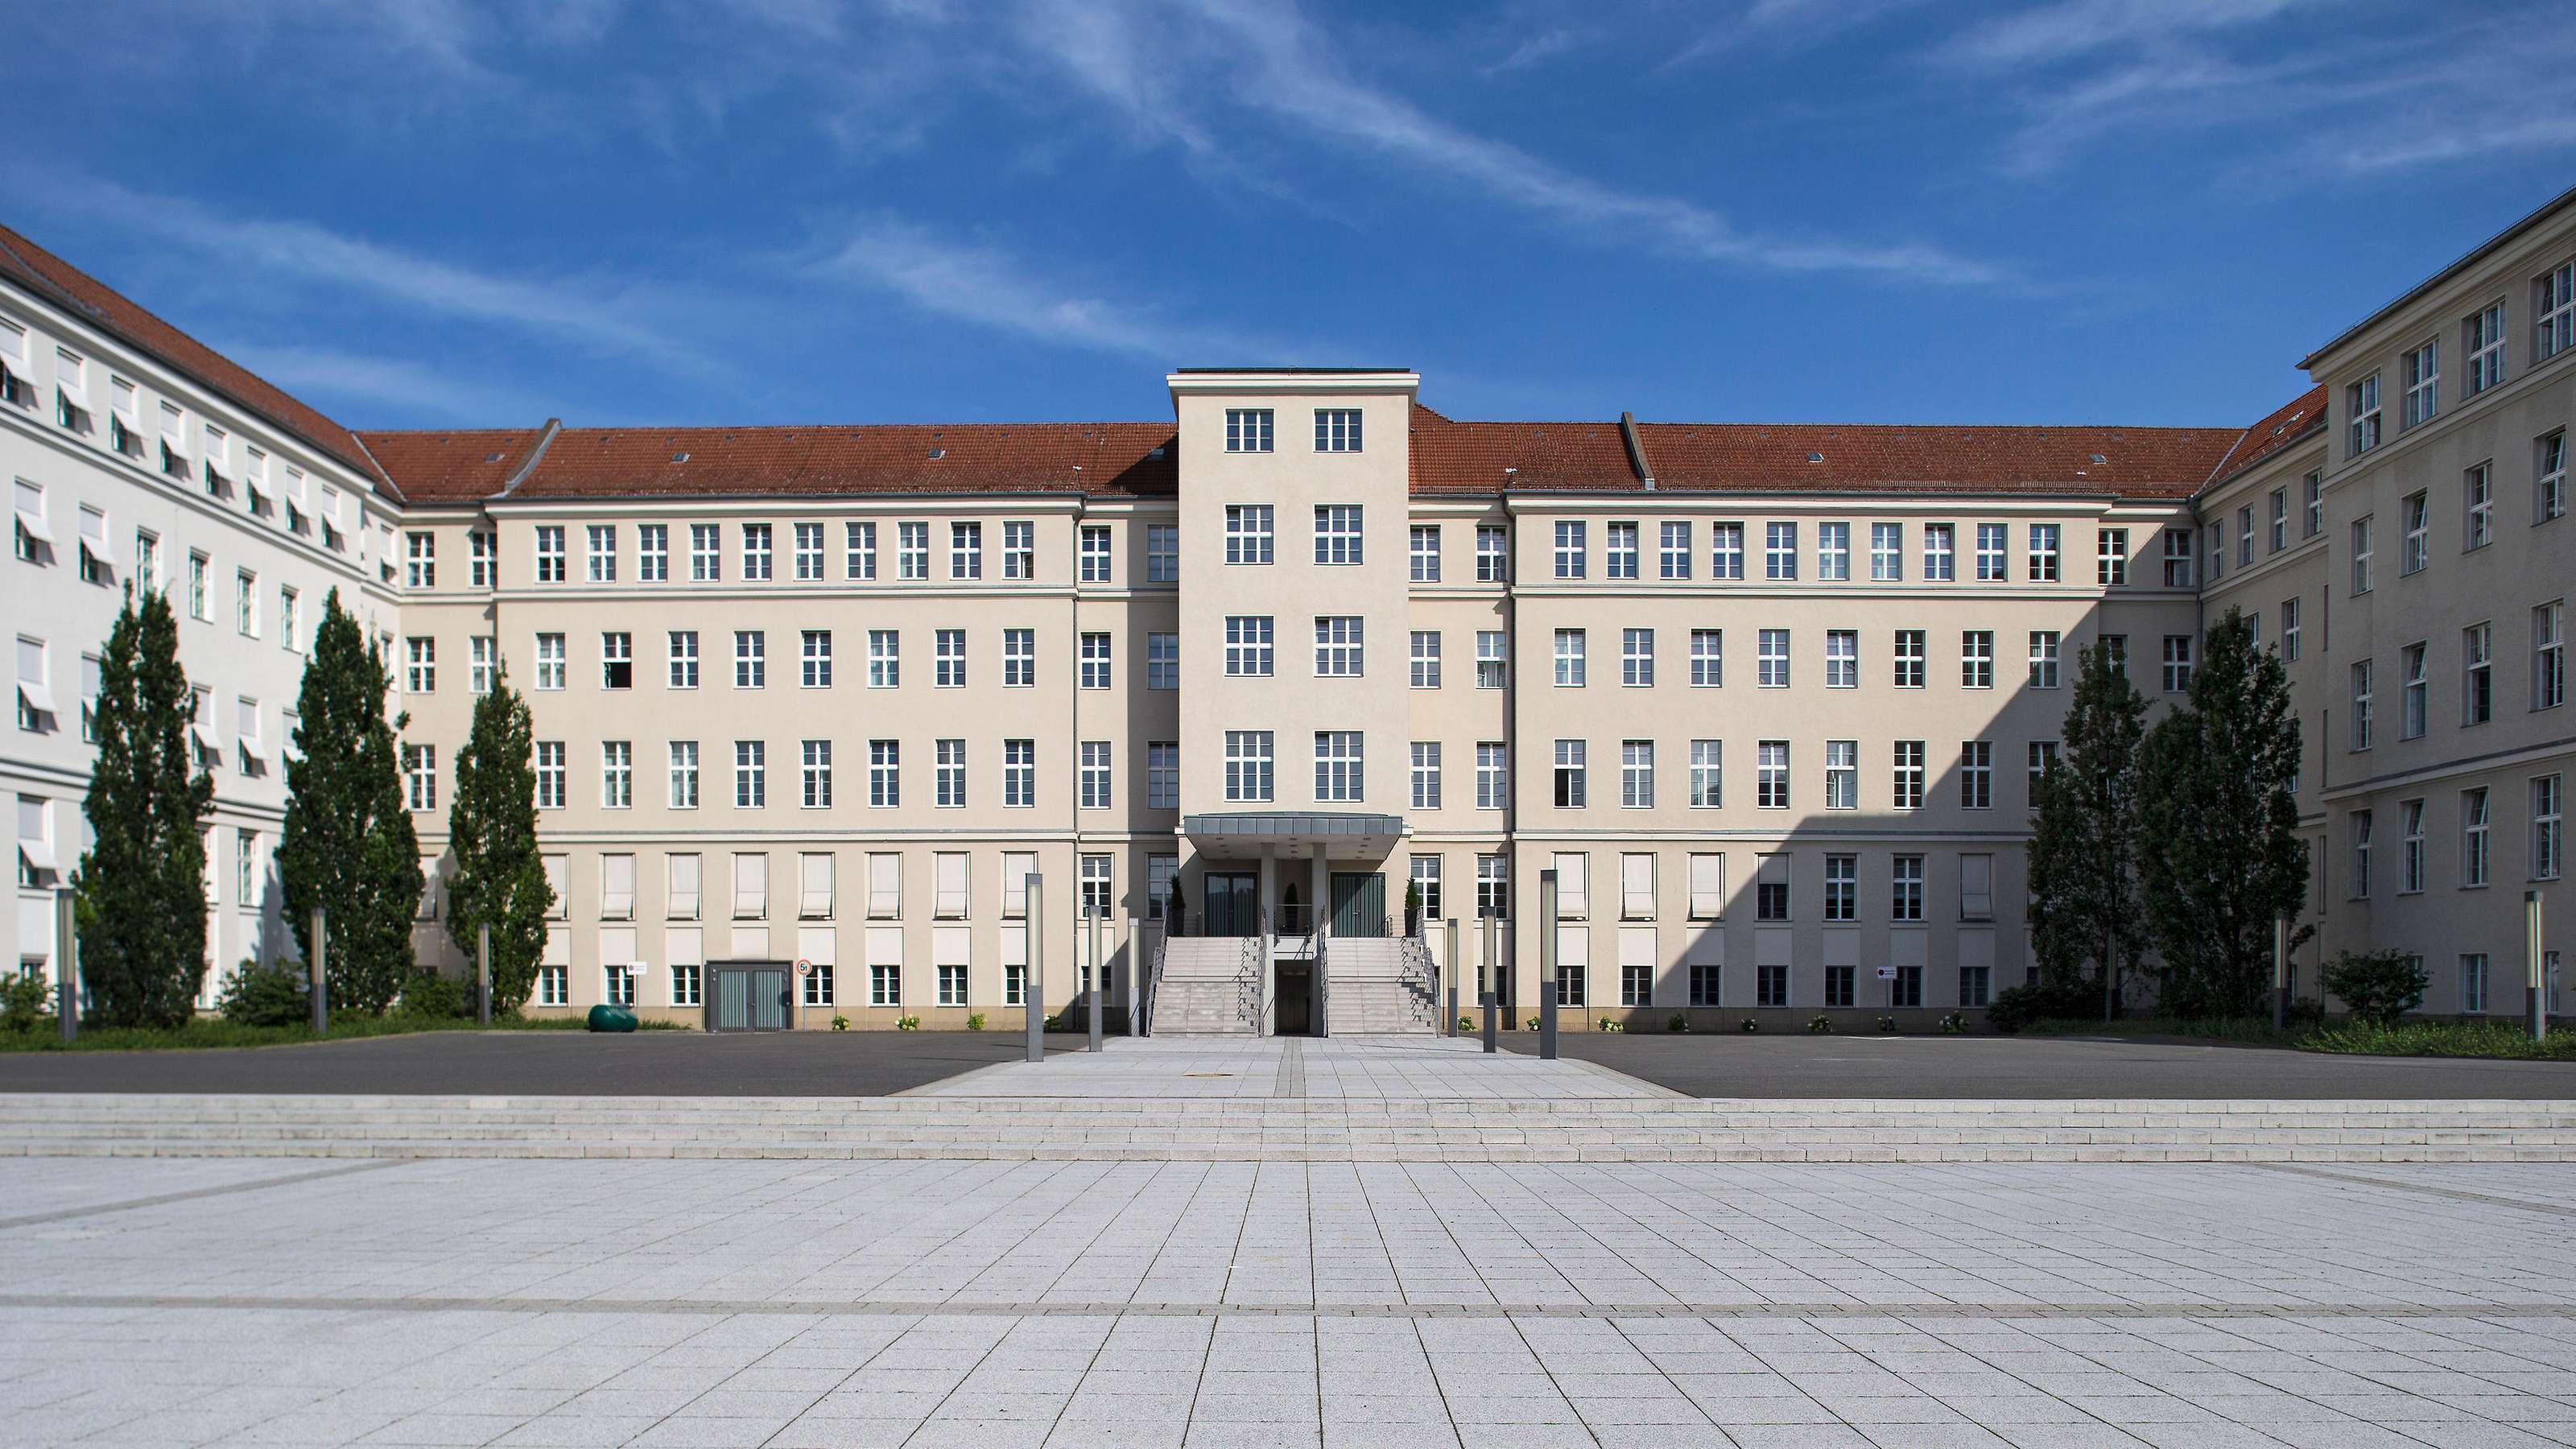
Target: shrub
point(1677, 1022)
point(427, 993)
point(1466, 1026)
point(1053, 1023)
point(1820, 1025)
point(975, 1021)
point(1748, 1026)
point(840, 1022)
point(271, 994)
point(24, 997)
point(1533, 1023)
point(1954, 1024)
point(901, 1023)
point(1606, 1024)
point(2377, 987)
point(1887, 1023)
point(2016, 1007)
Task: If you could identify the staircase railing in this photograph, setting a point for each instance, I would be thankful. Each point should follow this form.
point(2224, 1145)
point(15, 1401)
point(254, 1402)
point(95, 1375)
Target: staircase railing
point(1421, 975)
point(1153, 984)
point(1247, 984)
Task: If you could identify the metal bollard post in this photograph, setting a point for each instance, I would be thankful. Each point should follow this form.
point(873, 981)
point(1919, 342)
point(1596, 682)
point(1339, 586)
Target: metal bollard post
point(1033, 975)
point(483, 974)
point(1449, 975)
point(321, 990)
point(1486, 976)
point(1099, 984)
point(1547, 965)
point(2538, 972)
point(67, 991)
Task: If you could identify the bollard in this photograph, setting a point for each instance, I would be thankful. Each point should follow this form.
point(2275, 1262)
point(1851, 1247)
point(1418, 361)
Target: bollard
point(67, 991)
point(1099, 983)
point(1485, 986)
point(2538, 972)
point(1033, 975)
point(1547, 965)
point(321, 990)
point(483, 974)
point(1449, 976)
point(1547, 1021)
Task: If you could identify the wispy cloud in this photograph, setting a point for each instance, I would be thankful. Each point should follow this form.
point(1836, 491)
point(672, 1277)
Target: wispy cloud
point(332, 376)
point(1784, 25)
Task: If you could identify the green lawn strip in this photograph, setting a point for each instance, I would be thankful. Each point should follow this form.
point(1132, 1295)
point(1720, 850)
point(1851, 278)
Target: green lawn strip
point(2235, 1029)
point(216, 1032)
point(2494, 1040)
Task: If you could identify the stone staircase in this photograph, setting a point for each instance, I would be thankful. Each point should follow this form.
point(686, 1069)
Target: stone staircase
point(1381, 986)
point(1354, 1129)
point(1210, 986)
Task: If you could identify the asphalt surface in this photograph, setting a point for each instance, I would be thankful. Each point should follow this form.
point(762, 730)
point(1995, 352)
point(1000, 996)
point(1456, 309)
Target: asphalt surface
point(543, 1063)
point(1770, 1065)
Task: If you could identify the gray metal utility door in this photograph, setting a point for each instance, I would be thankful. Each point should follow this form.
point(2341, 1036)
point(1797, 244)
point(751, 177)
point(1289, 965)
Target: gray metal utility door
point(749, 995)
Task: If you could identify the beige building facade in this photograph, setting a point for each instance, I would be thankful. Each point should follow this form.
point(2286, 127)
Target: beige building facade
point(1768, 700)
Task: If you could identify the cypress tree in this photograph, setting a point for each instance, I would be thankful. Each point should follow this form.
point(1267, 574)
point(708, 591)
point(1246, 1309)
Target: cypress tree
point(349, 846)
point(2085, 916)
point(499, 877)
point(2222, 858)
point(142, 884)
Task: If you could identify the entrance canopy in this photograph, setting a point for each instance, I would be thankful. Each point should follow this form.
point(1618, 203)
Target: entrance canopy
point(1293, 834)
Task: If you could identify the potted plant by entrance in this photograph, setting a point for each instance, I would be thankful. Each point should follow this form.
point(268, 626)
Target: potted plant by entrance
point(1412, 908)
point(1288, 923)
point(1174, 911)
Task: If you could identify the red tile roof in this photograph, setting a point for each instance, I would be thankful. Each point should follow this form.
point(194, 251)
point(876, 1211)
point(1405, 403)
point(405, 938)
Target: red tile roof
point(2298, 418)
point(453, 465)
point(1932, 458)
point(1472, 458)
point(101, 306)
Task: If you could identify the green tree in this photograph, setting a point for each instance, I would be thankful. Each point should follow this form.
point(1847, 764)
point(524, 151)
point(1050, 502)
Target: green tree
point(499, 878)
point(349, 847)
point(2221, 858)
point(142, 884)
point(2085, 918)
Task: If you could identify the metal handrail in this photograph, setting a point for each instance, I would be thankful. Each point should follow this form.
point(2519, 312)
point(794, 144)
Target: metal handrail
point(1153, 985)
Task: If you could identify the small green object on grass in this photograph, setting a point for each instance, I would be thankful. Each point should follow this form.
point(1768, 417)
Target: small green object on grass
point(604, 1017)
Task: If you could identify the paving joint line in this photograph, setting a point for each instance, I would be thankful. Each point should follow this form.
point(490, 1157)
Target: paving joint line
point(2457, 1193)
point(129, 1204)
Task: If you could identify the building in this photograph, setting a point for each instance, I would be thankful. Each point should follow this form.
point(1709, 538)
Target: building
point(1769, 700)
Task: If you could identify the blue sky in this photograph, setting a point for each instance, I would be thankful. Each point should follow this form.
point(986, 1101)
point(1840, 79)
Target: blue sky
point(437, 212)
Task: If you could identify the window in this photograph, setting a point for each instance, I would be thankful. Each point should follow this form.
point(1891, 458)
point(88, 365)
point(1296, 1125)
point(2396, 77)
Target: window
point(246, 603)
point(1019, 549)
point(1780, 551)
point(2549, 655)
point(2357, 829)
point(1490, 665)
point(1247, 533)
point(1976, 887)
point(809, 553)
point(1842, 888)
point(550, 553)
point(1493, 554)
point(1708, 775)
point(550, 775)
point(2043, 553)
point(2245, 536)
point(1093, 778)
point(965, 551)
point(2178, 558)
point(617, 661)
point(1494, 886)
point(1423, 551)
point(2413, 697)
point(420, 665)
point(885, 774)
point(2549, 479)
point(1992, 566)
point(750, 774)
point(1094, 661)
point(1842, 774)
point(1910, 661)
point(2361, 407)
point(2477, 507)
point(2043, 758)
point(2548, 808)
point(2473, 982)
point(2482, 346)
point(2044, 644)
point(859, 551)
point(1337, 533)
point(684, 658)
point(1425, 878)
point(1771, 902)
point(2361, 691)
point(750, 659)
point(1673, 556)
point(616, 774)
point(1886, 552)
point(1162, 553)
point(1247, 765)
point(1340, 646)
point(1707, 658)
point(1977, 775)
point(1842, 659)
point(1493, 775)
point(420, 774)
point(1426, 659)
point(1247, 646)
point(1771, 775)
point(1637, 775)
point(147, 558)
point(755, 552)
point(1569, 657)
point(2177, 663)
point(1337, 430)
point(2313, 504)
point(420, 568)
point(1905, 888)
point(1940, 552)
point(2553, 313)
point(2422, 367)
point(2473, 838)
point(815, 658)
point(1163, 775)
point(2410, 847)
point(1771, 659)
point(2417, 511)
point(948, 659)
point(1977, 659)
point(550, 661)
point(706, 553)
point(1247, 430)
point(2290, 630)
point(1909, 775)
point(912, 551)
point(1573, 870)
point(1637, 658)
point(1619, 559)
point(1338, 767)
point(1833, 552)
point(91, 685)
point(2361, 554)
point(1426, 775)
point(1570, 548)
point(1570, 784)
point(1162, 660)
point(1726, 552)
point(684, 774)
point(1019, 658)
point(1019, 773)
